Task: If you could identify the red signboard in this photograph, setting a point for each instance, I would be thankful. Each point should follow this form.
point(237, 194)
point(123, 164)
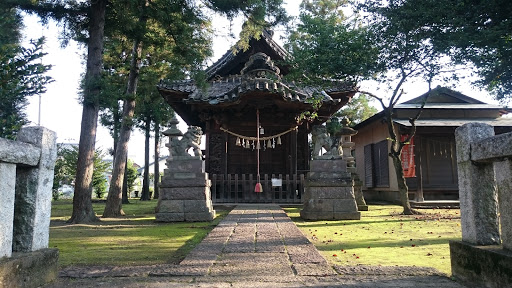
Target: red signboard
point(408, 158)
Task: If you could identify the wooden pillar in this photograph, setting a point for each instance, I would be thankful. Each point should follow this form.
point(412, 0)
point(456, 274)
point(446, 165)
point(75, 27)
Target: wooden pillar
point(294, 152)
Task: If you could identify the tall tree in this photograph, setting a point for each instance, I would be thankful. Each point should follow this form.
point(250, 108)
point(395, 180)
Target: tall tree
point(151, 27)
point(22, 75)
point(85, 22)
point(82, 204)
point(470, 31)
point(354, 52)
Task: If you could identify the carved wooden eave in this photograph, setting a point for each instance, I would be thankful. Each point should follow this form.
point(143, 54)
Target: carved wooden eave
point(233, 88)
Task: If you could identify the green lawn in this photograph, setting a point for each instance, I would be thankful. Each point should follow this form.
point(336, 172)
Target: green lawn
point(134, 239)
point(384, 237)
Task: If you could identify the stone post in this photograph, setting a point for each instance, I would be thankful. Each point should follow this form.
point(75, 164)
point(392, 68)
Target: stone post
point(33, 200)
point(7, 184)
point(477, 188)
point(504, 180)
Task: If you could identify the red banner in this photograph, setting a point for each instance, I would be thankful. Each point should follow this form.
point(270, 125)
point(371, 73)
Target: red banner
point(408, 158)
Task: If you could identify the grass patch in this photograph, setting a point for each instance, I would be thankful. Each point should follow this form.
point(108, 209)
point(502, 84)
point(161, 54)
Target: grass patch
point(384, 237)
point(134, 239)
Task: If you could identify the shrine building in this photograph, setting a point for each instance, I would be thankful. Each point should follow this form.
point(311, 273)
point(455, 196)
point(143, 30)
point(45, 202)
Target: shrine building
point(242, 87)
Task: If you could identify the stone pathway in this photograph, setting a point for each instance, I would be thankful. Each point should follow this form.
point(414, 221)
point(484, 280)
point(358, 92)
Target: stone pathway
point(253, 246)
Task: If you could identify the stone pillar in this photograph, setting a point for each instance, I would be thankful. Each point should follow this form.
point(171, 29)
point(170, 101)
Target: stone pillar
point(504, 180)
point(7, 184)
point(477, 188)
point(329, 194)
point(33, 204)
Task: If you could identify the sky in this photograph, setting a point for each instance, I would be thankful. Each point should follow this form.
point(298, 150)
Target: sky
point(62, 113)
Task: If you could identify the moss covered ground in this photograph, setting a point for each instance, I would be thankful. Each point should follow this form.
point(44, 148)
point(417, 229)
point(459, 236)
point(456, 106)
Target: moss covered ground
point(134, 239)
point(384, 237)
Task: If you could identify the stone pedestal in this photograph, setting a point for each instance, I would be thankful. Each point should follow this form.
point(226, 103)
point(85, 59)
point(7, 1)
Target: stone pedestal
point(329, 192)
point(185, 192)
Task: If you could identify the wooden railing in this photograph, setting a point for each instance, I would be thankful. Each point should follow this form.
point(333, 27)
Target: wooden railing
point(239, 188)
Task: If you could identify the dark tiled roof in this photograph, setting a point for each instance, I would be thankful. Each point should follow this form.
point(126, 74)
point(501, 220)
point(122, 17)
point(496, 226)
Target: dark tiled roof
point(259, 75)
point(231, 88)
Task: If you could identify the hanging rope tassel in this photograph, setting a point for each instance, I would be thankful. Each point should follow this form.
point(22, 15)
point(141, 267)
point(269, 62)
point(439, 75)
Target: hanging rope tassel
point(258, 188)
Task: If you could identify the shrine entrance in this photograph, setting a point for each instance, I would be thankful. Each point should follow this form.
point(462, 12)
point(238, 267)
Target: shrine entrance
point(247, 100)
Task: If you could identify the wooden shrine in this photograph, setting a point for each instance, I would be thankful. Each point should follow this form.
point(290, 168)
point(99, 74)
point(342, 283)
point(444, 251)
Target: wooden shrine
point(239, 86)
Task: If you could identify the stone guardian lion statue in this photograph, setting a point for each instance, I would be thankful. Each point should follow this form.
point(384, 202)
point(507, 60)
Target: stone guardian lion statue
point(191, 139)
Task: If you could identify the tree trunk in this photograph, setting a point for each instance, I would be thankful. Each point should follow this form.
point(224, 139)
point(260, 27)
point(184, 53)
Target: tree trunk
point(113, 207)
point(82, 204)
point(117, 124)
point(145, 181)
point(396, 151)
point(125, 184)
point(156, 181)
point(403, 190)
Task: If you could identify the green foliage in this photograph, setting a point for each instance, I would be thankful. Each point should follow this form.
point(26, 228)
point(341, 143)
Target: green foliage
point(66, 164)
point(470, 31)
point(21, 73)
point(99, 180)
point(131, 175)
point(325, 45)
point(357, 110)
point(259, 15)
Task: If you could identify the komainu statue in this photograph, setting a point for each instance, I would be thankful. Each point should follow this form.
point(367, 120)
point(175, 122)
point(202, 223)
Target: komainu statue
point(322, 139)
point(191, 139)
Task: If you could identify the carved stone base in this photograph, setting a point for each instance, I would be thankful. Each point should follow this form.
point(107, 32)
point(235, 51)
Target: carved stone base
point(329, 193)
point(185, 193)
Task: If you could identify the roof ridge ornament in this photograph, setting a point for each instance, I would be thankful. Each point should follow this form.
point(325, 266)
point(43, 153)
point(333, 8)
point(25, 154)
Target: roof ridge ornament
point(260, 65)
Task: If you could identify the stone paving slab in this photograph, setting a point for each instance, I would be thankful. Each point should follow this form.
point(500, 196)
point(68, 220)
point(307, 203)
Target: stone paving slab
point(251, 264)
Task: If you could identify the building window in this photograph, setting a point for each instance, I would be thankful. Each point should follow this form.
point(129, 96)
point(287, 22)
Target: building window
point(376, 164)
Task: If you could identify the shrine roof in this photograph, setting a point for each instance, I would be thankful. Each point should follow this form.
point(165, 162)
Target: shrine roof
point(230, 89)
point(253, 77)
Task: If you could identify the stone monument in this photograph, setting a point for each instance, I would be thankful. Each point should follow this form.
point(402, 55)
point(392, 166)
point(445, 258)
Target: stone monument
point(185, 189)
point(329, 190)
